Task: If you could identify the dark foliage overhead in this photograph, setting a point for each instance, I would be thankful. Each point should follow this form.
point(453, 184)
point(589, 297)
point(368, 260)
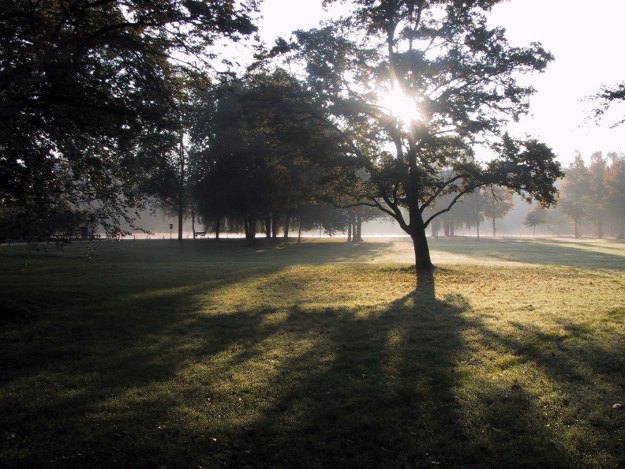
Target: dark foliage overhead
point(88, 95)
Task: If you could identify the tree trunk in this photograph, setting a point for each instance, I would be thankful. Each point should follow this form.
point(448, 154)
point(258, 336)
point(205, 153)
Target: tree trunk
point(421, 249)
point(217, 227)
point(435, 228)
point(358, 229)
point(268, 227)
point(287, 222)
point(274, 226)
point(246, 228)
point(299, 232)
point(349, 232)
point(477, 225)
point(193, 222)
point(181, 189)
point(575, 228)
point(250, 230)
point(494, 227)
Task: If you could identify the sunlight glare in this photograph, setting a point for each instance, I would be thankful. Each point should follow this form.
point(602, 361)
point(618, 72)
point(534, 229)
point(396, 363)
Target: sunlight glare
point(400, 105)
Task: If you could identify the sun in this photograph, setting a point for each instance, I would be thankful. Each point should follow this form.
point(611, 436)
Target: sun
point(400, 105)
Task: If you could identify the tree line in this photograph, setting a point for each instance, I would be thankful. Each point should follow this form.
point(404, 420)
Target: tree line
point(109, 106)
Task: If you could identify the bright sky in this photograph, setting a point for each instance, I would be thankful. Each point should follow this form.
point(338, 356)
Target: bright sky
point(585, 38)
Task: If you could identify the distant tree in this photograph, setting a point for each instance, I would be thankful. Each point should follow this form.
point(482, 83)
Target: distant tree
point(615, 182)
point(598, 196)
point(86, 110)
point(473, 209)
point(536, 216)
point(575, 193)
point(410, 85)
point(497, 203)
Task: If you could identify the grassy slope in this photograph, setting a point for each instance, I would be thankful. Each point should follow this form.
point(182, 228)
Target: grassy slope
point(140, 353)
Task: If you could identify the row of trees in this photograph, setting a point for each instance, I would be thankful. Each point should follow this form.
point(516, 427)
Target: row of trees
point(107, 104)
point(595, 194)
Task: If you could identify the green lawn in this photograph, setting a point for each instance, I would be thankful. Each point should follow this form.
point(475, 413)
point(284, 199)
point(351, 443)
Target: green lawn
point(151, 353)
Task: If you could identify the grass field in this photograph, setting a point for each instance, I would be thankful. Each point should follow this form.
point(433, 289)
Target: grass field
point(151, 353)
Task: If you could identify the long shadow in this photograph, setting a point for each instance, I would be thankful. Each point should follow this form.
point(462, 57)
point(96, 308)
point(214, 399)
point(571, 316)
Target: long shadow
point(532, 252)
point(389, 397)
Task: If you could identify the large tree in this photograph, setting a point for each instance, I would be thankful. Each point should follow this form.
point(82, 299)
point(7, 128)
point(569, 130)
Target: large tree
point(412, 85)
point(88, 109)
point(497, 203)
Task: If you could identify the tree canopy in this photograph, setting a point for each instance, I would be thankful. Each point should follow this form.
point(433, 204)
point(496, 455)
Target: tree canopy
point(88, 96)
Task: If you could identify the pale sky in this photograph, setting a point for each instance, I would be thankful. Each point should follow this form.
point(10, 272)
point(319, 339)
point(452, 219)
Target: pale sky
point(585, 38)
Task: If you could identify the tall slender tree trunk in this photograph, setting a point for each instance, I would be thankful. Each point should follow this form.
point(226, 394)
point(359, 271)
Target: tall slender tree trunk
point(268, 227)
point(494, 227)
point(576, 228)
point(435, 229)
point(349, 232)
point(250, 230)
point(181, 189)
point(274, 226)
point(217, 227)
point(299, 232)
point(287, 222)
point(477, 225)
point(193, 222)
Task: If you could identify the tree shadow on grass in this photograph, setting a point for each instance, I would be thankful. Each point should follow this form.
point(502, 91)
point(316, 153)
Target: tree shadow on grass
point(300, 385)
point(381, 389)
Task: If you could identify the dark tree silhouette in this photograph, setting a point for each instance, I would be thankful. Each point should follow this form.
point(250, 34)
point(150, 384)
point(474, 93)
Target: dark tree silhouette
point(87, 104)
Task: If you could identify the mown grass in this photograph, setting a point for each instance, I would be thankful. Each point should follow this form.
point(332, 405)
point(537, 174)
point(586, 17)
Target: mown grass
point(211, 355)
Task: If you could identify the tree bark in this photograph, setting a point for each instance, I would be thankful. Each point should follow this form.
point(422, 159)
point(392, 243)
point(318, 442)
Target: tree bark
point(575, 228)
point(299, 232)
point(274, 226)
point(494, 227)
point(423, 262)
point(477, 225)
point(349, 232)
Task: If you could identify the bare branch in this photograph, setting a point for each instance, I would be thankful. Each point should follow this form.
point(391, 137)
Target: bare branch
point(453, 202)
